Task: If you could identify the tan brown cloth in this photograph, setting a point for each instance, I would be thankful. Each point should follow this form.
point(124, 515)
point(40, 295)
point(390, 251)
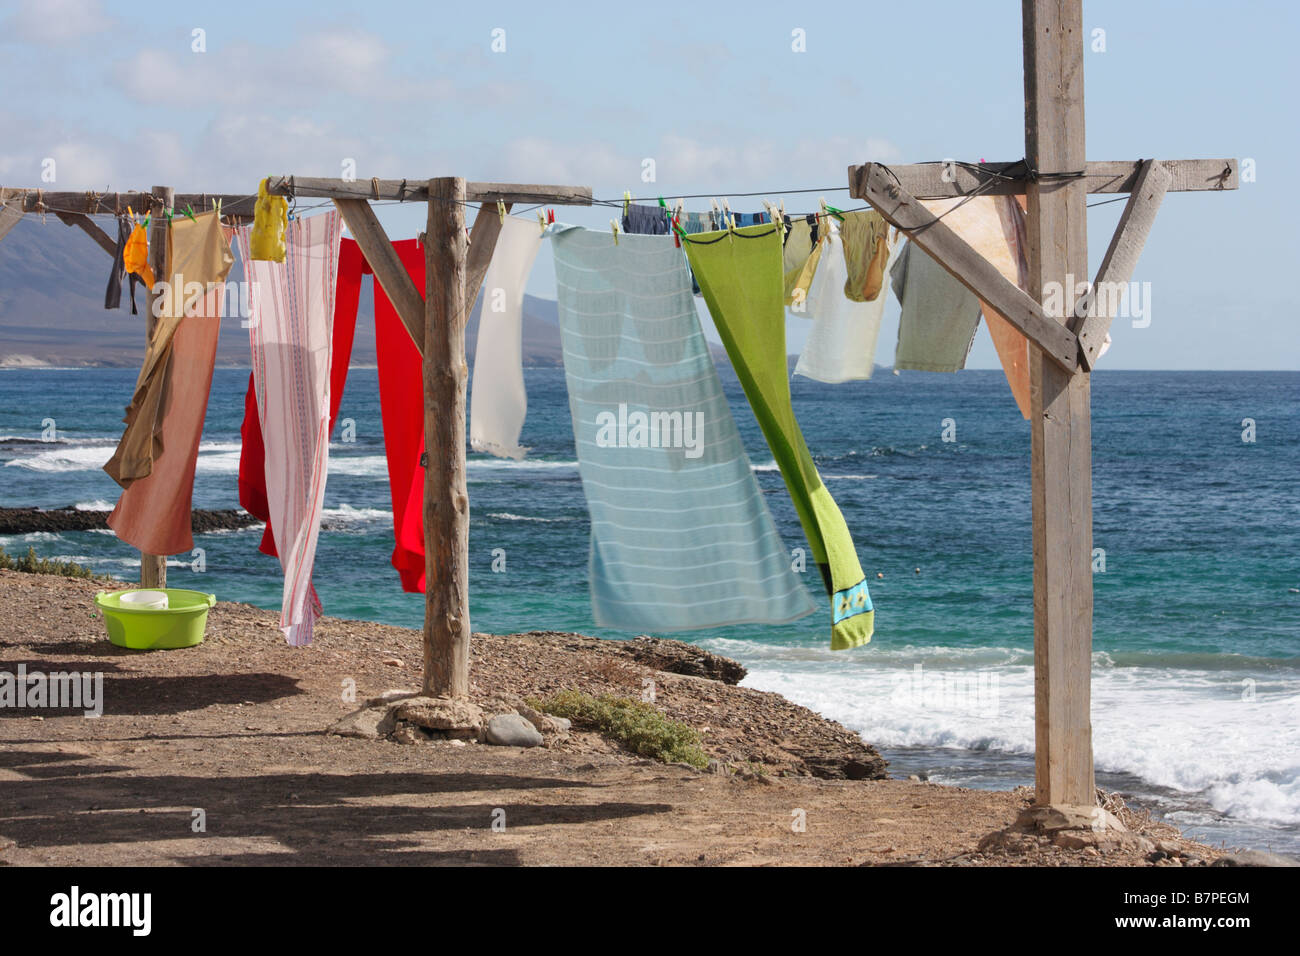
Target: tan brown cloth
point(153, 514)
point(864, 235)
point(197, 252)
point(994, 226)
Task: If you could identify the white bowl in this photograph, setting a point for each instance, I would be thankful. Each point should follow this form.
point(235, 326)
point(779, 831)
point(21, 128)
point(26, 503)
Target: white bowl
point(145, 600)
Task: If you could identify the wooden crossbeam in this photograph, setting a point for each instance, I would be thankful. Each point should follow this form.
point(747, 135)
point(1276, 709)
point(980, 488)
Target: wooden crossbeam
point(233, 207)
point(968, 267)
point(1120, 259)
point(387, 265)
point(946, 181)
point(90, 228)
point(403, 190)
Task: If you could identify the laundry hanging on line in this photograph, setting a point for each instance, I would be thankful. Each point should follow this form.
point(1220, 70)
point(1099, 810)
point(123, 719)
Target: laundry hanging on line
point(841, 345)
point(498, 400)
point(401, 406)
point(117, 272)
point(740, 275)
point(681, 537)
point(202, 256)
point(252, 452)
point(939, 316)
point(291, 336)
point(153, 512)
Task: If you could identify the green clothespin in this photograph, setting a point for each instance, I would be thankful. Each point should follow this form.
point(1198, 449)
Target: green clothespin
point(189, 211)
point(837, 213)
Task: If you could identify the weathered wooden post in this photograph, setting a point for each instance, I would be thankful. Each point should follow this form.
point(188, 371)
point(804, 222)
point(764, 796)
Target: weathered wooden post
point(446, 497)
point(1060, 419)
point(153, 567)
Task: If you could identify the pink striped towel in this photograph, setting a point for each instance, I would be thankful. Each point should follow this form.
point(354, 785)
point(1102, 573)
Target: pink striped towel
point(291, 306)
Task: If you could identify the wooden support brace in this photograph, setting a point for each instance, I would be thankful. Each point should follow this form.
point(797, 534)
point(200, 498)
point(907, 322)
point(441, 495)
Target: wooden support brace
point(153, 567)
point(1121, 259)
point(968, 267)
point(90, 228)
point(948, 180)
point(482, 243)
point(387, 265)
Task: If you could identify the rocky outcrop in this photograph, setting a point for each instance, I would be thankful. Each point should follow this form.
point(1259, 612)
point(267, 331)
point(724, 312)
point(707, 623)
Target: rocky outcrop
point(678, 657)
point(30, 520)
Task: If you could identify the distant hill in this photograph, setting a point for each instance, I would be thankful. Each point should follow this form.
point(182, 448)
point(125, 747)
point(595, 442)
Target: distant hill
point(52, 280)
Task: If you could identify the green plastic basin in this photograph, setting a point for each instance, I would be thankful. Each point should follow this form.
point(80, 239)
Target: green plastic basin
point(181, 624)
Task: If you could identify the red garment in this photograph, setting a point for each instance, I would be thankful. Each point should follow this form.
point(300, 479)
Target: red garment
point(401, 402)
point(252, 456)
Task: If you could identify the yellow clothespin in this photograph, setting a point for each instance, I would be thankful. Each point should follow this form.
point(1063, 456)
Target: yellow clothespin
point(613, 224)
point(541, 220)
point(726, 208)
point(731, 225)
point(501, 211)
point(627, 202)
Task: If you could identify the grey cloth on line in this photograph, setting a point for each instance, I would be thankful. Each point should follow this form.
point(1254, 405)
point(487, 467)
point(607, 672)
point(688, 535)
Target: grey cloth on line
point(681, 536)
point(113, 292)
point(939, 318)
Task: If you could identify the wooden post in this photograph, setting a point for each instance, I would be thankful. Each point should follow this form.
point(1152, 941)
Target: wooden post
point(153, 567)
point(1060, 419)
point(446, 497)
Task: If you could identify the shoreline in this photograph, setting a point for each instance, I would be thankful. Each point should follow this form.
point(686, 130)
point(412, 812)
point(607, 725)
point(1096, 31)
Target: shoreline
point(238, 725)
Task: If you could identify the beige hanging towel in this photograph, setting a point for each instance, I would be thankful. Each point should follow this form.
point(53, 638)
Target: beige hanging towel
point(197, 254)
point(994, 226)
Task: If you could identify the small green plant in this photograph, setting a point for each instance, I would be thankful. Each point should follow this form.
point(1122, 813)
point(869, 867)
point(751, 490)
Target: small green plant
point(637, 725)
point(32, 564)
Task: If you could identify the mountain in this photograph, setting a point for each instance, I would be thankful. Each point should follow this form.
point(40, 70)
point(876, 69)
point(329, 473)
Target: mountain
point(52, 280)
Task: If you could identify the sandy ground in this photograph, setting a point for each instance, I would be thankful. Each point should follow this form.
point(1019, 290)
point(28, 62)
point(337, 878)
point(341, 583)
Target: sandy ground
point(217, 755)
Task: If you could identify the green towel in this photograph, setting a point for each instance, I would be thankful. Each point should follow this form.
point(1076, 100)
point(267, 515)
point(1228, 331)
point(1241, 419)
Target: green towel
point(741, 278)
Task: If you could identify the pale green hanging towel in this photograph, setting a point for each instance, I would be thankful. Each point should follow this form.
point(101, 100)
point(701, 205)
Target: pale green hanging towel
point(740, 275)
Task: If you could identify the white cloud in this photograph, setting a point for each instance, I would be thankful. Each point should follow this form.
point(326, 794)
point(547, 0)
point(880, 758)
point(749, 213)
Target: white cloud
point(52, 22)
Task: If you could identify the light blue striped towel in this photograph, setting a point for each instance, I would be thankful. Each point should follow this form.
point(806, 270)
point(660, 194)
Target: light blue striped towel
point(681, 537)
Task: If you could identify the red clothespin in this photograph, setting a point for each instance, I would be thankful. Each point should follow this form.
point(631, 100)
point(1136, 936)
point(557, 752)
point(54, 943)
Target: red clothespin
point(550, 217)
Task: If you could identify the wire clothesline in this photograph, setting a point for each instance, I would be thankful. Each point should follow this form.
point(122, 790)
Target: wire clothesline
point(984, 169)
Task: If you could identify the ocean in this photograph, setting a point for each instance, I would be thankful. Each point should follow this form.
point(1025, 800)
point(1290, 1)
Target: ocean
point(1196, 677)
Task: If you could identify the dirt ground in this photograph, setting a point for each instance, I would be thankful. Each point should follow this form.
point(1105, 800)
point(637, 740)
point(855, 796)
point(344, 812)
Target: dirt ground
point(217, 755)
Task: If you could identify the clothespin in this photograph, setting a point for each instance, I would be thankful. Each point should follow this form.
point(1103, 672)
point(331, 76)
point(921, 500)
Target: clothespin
point(613, 224)
point(550, 217)
point(726, 208)
point(467, 238)
point(189, 212)
point(837, 213)
point(627, 202)
point(731, 225)
point(501, 211)
point(541, 220)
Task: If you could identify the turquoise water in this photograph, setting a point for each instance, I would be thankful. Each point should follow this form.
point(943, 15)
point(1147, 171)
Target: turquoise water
point(1196, 698)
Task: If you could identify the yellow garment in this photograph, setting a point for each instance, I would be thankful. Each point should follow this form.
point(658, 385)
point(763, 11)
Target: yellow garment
point(270, 219)
point(798, 246)
point(135, 255)
point(863, 235)
point(799, 290)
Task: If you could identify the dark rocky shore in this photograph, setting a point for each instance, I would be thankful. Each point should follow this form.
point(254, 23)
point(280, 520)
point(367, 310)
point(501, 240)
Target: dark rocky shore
point(29, 520)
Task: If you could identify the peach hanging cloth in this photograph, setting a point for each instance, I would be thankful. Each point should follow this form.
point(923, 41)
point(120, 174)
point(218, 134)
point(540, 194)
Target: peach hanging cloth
point(994, 226)
point(153, 513)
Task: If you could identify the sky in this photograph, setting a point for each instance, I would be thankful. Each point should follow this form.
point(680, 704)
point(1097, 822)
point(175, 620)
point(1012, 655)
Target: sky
point(215, 96)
